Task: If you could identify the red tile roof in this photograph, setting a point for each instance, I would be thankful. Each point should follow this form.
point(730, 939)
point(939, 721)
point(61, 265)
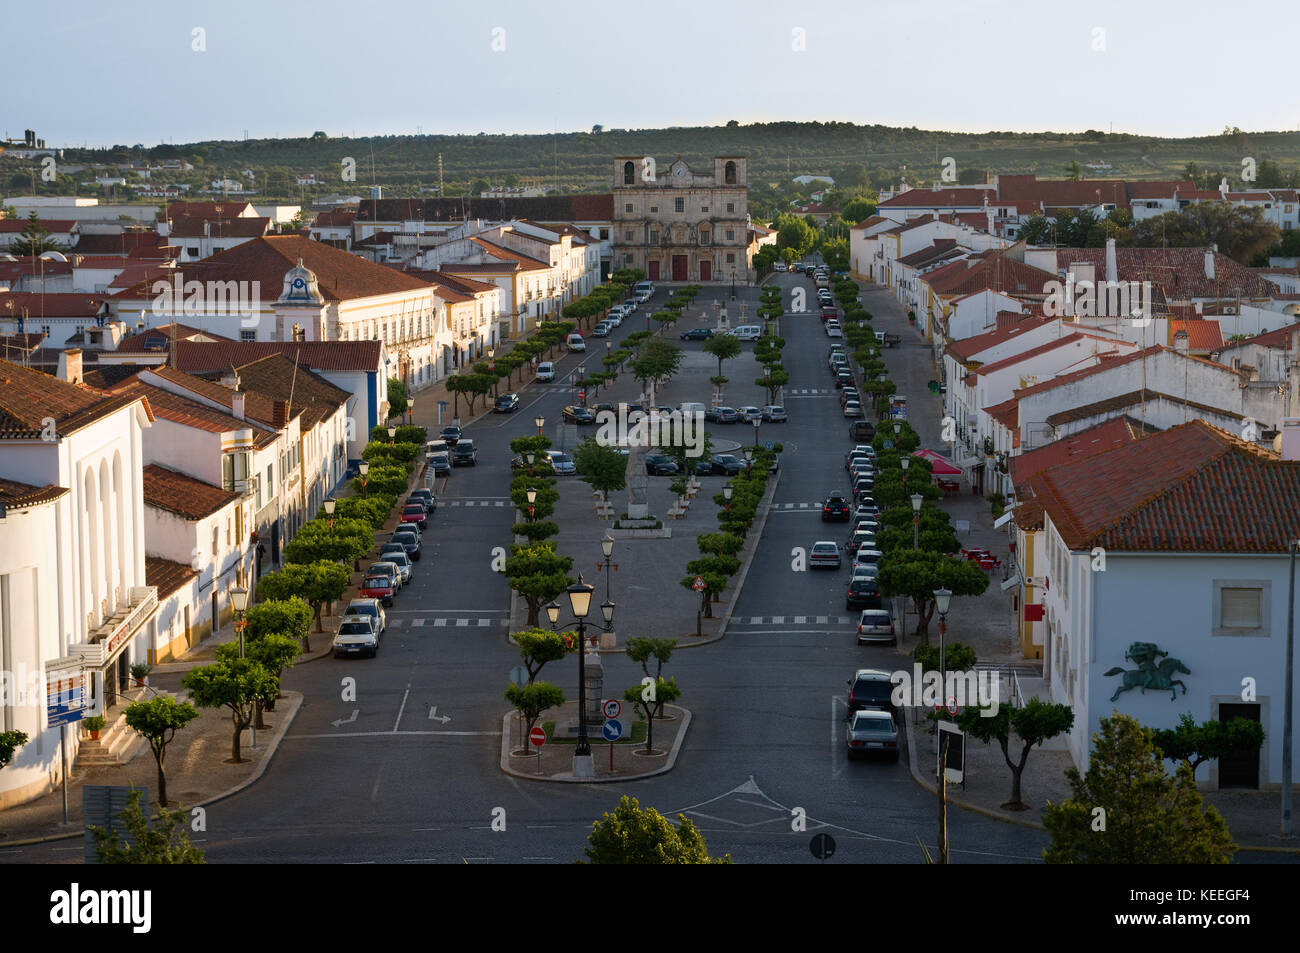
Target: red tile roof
point(1192, 488)
point(229, 208)
point(989, 270)
point(17, 496)
point(342, 276)
point(60, 305)
point(509, 254)
point(965, 349)
point(190, 413)
point(182, 494)
point(1104, 436)
point(1071, 338)
point(198, 357)
point(219, 228)
point(28, 398)
point(142, 341)
point(868, 222)
point(1180, 271)
point(13, 226)
point(1281, 338)
point(1202, 334)
point(459, 282)
point(167, 575)
point(940, 198)
point(335, 219)
point(257, 407)
point(1006, 413)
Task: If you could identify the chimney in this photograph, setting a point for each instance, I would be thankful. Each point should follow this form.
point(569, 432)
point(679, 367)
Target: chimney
point(280, 415)
point(1291, 438)
point(1112, 265)
point(1181, 339)
point(70, 365)
point(1209, 263)
point(237, 404)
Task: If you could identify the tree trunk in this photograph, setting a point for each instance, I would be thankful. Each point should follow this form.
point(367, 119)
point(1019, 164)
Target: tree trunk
point(708, 606)
point(162, 778)
point(316, 607)
point(257, 714)
point(533, 609)
point(234, 744)
point(649, 729)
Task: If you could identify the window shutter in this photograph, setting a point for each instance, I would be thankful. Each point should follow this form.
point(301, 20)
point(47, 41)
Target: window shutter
point(1241, 608)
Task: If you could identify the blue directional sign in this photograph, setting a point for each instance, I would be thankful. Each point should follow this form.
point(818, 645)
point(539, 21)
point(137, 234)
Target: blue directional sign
point(612, 730)
point(768, 445)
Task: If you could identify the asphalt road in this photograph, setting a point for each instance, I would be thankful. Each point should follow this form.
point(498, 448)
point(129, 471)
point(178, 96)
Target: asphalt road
point(408, 772)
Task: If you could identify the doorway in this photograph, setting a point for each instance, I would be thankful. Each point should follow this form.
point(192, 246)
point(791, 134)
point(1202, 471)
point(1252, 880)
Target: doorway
point(653, 267)
point(679, 267)
point(1239, 770)
point(706, 270)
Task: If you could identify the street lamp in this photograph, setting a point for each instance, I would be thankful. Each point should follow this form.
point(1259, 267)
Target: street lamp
point(607, 547)
point(532, 498)
point(580, 605)
point(905, 462)
point(756, 421)
point(329, 511)
point(898, 428)
point(541, 422)
point(392, 435)
point(364, 468)
point(239, 599)
point(726, 495)
point(917, 500)
point(733, 284)
point(749, 458)
point(410, 409)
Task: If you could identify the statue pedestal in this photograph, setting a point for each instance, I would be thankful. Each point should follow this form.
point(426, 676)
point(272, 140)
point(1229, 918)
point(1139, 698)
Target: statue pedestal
point(638, 511)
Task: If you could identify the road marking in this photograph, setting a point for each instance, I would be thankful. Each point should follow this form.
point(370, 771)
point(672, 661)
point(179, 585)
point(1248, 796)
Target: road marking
point(389, 734)
point(462, 623)
point(405, 695)
point(484, 623)
point(417, 623)
point(800, 619)
point(439, 623)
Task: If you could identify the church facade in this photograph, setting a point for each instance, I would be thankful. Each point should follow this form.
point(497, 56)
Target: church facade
point(681, 225)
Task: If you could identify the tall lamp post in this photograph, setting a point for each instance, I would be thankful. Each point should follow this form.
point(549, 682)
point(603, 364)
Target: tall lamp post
point(917, 500)
point(942, 599)
point(607, 547)
point(239, 600)
point(733, 284)
point(580, 605)
point(904, 462)
point(540, 422)
point(329, 511)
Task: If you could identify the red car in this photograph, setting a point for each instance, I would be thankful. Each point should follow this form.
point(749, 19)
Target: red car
point(378, 587)
point(828, 313)
point(414, 513)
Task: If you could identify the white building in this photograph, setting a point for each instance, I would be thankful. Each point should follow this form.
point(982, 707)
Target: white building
point(72, 554)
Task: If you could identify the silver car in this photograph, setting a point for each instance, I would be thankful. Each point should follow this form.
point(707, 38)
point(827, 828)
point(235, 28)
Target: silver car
point(370, 608)
point(871, 732)
point(357, 635)
point(824, 553)
point(773, 414)
point(561, 462)
point(403, 563)
point(875, 626)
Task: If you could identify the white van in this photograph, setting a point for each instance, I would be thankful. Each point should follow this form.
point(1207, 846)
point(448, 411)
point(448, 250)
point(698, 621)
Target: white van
point(748, 332)
point(690, 408)
point(644, 290)
point(575, 342)
point(546, 371)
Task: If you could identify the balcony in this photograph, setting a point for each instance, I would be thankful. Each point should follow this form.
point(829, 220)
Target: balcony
point(103, 642)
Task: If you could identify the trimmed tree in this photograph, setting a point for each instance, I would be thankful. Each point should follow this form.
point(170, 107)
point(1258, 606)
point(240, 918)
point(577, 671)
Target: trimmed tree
point(649, 700)
point(315, 583)
point(917, 574)
point(1196, 744)
point(539, 646)
point(633, 835)
point(1033, 724)
point(236, 685)
point(539, 574)
point(1127, 810)
point(157, 721)
point(603, 468)
point(273, 652)
point(531, 700)
point(289, 617)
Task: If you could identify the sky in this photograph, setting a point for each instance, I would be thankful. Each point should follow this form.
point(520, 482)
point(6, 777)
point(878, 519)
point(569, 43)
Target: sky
point(131, 71)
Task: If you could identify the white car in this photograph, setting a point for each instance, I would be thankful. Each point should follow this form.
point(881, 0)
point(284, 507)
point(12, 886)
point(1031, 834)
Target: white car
point(546, 371)
point(779, 266)
point(833, 330)
point(561, 462)
point(615, 317)
point(629, 306)
point(824, 552)
point(852, 409)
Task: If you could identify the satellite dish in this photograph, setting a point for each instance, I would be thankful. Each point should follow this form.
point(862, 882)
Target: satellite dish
point(54, 256)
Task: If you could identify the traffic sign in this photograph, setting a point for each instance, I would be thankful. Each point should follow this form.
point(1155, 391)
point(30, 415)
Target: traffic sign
point(822, 846)
point(612, 708)
point(952, 705)
point(698, 584)
point(612, 730)
point(519, 675)
point(537, 736)
point(582, 395)
point(769, 445)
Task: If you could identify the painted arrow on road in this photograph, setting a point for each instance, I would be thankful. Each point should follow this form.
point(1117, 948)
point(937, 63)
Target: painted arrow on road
point(434, 716)
point(349, 720)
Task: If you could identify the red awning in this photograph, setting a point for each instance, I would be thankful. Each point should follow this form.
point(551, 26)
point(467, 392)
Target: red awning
point(940, 465)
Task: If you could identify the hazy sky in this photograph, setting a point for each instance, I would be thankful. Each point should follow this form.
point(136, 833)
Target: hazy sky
point(127, 71)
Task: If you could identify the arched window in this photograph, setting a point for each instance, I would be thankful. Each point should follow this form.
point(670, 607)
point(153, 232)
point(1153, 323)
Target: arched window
point(629, 173)
point(729, 173)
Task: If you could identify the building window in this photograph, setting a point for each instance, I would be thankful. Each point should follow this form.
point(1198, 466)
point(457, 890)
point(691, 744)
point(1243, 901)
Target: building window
point(628, 208)
point(704, 208)
point(629, 176)
point(731, 260)
point(194, 253)
point(1242, 607)
point(604, 236)
point(654, 240)
point(250, 334)
point(731, 207)
point(654, 209)
point(627, 236)
point(704, 240)
point(731, 237)
point(679, 204)
point(729, 174)
point(215, 541)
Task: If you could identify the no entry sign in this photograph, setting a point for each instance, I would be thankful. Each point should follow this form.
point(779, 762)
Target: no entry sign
point(537, 736)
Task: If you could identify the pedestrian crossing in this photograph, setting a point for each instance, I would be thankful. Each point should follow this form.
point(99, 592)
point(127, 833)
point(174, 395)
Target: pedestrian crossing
point(809, 392)
point(793, 620)
point(446, 622)
point(490, 501)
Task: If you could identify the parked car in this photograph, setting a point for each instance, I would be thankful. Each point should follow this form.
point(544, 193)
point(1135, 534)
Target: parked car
point(370, 608)
point(411, 542)
point(546, 371)
point(871, 732)
point(403, 564)
point(721, 415)
point(697, 334)
point(748, 332)
point(439, 463)
point(578, 415)
point(859, 539)
point(464, 454)
point(725, 464)
point(852, 409)
point(876, 626)
point(389, 549)
point(856, 455)
point(561, 462)
point(868, 557)
point(863, 593)
point(601, 330)
point(779, 266)
point(414, 513)
point(378, 587)
point(575, 343)
point(451, 436)
point(824, 554)
point(386, 569)
point(356, 636)
point(835, 508)
point(750, 414)
point(774, 414)
point(615, 318)
point(872, 689)
point(850, 392)
point(843, 377)
point(833, 330)
point(424, 496)
point(506, 403)
point(659, 464)
point(862, 430)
